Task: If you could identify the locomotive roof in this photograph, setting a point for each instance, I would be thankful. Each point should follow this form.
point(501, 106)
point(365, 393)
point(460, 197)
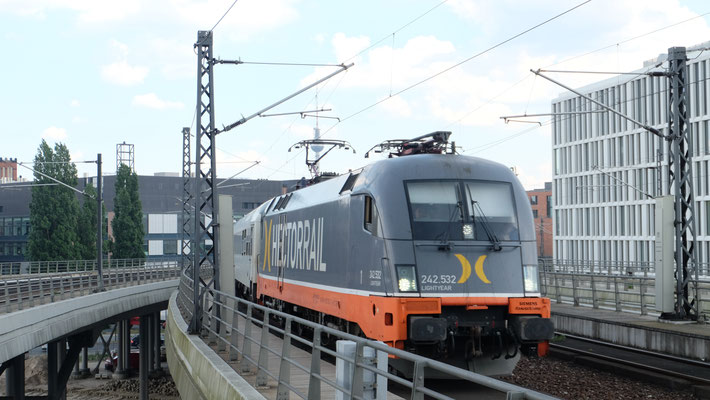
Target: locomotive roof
point(387, 174)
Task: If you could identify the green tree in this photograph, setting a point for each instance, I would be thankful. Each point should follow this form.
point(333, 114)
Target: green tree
point(127, 224)
point(54, 208)
point(86, 229)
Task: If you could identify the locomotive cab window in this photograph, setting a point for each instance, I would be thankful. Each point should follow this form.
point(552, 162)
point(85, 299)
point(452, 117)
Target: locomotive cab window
point(462, 210)
point(436, 210)
point(490, 207)
point(371, 215)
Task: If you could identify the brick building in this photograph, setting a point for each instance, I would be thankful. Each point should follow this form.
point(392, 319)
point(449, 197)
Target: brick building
point(541, 204)
point(8, 170)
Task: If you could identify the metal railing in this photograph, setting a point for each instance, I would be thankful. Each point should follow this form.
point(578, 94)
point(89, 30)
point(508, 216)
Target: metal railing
point(46, 267)
point(223, 331)
point(615, 286)
point(44, 285)
point(611, 267)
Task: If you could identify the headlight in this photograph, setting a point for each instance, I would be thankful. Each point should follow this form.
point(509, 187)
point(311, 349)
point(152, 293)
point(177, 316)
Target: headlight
point(406, 278)
point(530, 278)
point(468, 231)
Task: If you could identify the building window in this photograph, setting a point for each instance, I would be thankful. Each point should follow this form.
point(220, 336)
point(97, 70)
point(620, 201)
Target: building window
point(169, 246)
point(1, 208)
point(534, 213)
point(25, 226)
point(549, 206)
point(533, 199)
point(249, 205)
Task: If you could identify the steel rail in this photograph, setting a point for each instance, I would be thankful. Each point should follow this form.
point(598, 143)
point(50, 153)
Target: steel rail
point(691, 378)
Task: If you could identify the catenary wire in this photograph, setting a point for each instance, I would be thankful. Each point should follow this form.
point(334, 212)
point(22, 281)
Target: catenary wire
point(225, 14)
point(412, 86)
point(628, 40)
point(395, 31)
point(443, 71)
point(560, 62)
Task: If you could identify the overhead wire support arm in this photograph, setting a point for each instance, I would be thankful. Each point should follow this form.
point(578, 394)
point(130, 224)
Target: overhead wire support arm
point(53, 179)
point(296, 112)
point(604, 106)
point(514, 118)
point(256, 114)
point(304, 115)
point(596, 168)
point(652, 73)
point(239, 62)
point(254, 164)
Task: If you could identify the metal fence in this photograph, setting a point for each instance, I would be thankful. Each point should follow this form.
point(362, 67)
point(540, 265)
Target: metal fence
point(616, 286)
point(223, 331)
point(48, 267)
point(635, 268)
point(45, 285)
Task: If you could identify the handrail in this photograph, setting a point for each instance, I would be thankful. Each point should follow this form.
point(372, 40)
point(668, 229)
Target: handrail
point(616, 286)
point(224, 334)
point(39, 267)
point(52, 283)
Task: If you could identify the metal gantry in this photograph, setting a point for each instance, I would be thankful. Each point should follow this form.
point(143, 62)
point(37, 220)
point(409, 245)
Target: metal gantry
point(204, 238)
point(204, 242)
point(125, 154)
point(186, 251)
point(681, 181)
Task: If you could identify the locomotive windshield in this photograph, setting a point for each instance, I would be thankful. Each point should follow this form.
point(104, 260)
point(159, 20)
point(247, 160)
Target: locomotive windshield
point(462, 210)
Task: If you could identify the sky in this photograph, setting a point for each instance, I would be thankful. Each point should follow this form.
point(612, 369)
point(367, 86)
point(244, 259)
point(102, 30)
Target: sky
point(93, 74)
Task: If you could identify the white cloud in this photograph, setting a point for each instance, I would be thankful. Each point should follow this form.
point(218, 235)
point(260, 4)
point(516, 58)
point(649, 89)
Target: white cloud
point(75, 103)
point(88, 11)
point(54, 133)
point(151, 100)
point(176, 56)
point(385, 67)
point(103, 11)
point(346, 47)
point(79, 120)
point(121, 73)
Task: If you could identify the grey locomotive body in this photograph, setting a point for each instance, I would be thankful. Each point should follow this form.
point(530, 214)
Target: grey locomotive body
point(431, 253)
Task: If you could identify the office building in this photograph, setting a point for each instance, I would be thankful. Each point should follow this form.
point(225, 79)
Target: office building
point(607, 170)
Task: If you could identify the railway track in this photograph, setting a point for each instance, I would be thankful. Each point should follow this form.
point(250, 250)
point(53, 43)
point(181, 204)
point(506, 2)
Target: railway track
point(670, 371)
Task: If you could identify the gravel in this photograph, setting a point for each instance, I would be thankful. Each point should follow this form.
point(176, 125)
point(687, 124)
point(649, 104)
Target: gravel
point(567, 380)
point(163, 386)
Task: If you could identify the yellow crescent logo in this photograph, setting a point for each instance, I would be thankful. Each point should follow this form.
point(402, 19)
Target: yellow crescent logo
point(466, 269)
point(267, 246)
point(479, 269)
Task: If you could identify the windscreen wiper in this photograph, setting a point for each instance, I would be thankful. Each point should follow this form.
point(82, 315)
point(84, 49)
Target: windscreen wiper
point(495, 242)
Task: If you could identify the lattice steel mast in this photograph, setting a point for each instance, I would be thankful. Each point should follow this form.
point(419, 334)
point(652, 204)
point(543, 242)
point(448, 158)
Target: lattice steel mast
point(205, 273)
point(681, 180)
point(204, 238)
point(186, 200)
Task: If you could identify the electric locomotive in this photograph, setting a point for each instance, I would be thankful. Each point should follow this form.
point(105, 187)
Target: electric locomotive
point(428, 251)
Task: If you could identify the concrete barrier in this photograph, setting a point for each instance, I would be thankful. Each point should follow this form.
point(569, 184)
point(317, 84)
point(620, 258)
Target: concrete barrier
point(24, 330)
point(649, 334)
point(198, 372)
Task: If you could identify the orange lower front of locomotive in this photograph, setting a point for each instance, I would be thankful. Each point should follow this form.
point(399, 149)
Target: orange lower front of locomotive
point(385, 318)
